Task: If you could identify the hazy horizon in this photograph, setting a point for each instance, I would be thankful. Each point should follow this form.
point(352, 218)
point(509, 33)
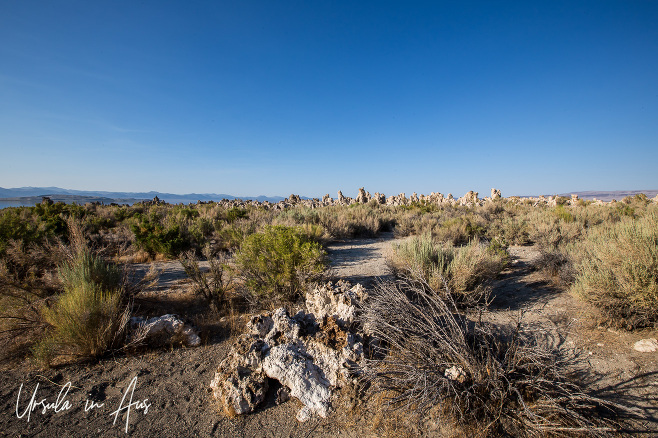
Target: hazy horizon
point(349, 193)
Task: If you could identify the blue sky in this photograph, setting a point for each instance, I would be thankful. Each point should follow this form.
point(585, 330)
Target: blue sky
point(309, 97)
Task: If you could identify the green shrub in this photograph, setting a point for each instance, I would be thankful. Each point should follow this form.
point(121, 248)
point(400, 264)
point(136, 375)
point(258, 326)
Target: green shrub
point(86, 268)
point(421, 207)
point(235, 213)
point(277, 262)
point(618, 271)
point(640, 199)
point(231, 237)
point(90, 317)
point(563, 214)
point(356, 220)
point(33, 225)
point(510, 230)
point(625, 210)
point(155, 238)
point(19, 225)
point(549, 232)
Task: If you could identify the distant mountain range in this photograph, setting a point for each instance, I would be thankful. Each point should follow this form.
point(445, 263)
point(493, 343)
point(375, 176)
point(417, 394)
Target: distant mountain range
point(608, 196)
point(32, 195)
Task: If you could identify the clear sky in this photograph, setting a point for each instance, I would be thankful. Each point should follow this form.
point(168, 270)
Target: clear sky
point(276, 97)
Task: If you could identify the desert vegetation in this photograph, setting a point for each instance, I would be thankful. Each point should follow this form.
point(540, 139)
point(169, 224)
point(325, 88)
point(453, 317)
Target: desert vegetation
point(67, 295)
point(432, 357)
point(462, 272)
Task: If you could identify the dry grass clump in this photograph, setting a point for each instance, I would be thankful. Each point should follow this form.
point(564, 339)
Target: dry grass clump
point(557, 266)
point(91, 315)
point(618, 271)
point(466, 270)
point(461, 229)
point(356, 220)
point(510, 229)
point(487, 381)
point(214, 285)
point(218, 284)
point(549, 230)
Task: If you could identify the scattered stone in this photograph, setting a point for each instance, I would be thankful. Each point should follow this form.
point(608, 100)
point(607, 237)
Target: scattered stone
point(456, 373)
point(304, 414)
point(164, 330)
point(648, 345)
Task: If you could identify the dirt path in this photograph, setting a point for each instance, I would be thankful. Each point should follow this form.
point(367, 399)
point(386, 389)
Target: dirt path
point(361, 260)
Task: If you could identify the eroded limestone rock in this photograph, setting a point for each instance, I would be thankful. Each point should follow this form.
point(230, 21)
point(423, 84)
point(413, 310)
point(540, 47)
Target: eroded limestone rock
point(469, 199)
point(381, 198)
point(240, 382)
point(312, 353)
point(340, 301)
point(291, 365)
point(363, 197)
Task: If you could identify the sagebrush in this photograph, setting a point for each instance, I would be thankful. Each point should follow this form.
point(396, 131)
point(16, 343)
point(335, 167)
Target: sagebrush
point(279, 261)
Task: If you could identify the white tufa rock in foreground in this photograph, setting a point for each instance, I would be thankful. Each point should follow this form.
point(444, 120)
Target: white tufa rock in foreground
point(165, 329)
point(340, 301)
point(311, 353)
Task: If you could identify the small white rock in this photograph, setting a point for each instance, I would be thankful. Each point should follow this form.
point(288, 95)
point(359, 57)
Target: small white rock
point(304, 414)
point(456, 373)
point(648, 345)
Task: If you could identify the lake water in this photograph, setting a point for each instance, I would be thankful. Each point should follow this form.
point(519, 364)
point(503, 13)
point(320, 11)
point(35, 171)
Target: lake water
point(5, 204)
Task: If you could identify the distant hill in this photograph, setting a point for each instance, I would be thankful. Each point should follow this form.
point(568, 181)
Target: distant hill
point(32, 195)
point(609, 195)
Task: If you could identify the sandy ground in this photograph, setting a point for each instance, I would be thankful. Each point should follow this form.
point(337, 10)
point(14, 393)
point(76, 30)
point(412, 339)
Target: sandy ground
point(165, 392)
